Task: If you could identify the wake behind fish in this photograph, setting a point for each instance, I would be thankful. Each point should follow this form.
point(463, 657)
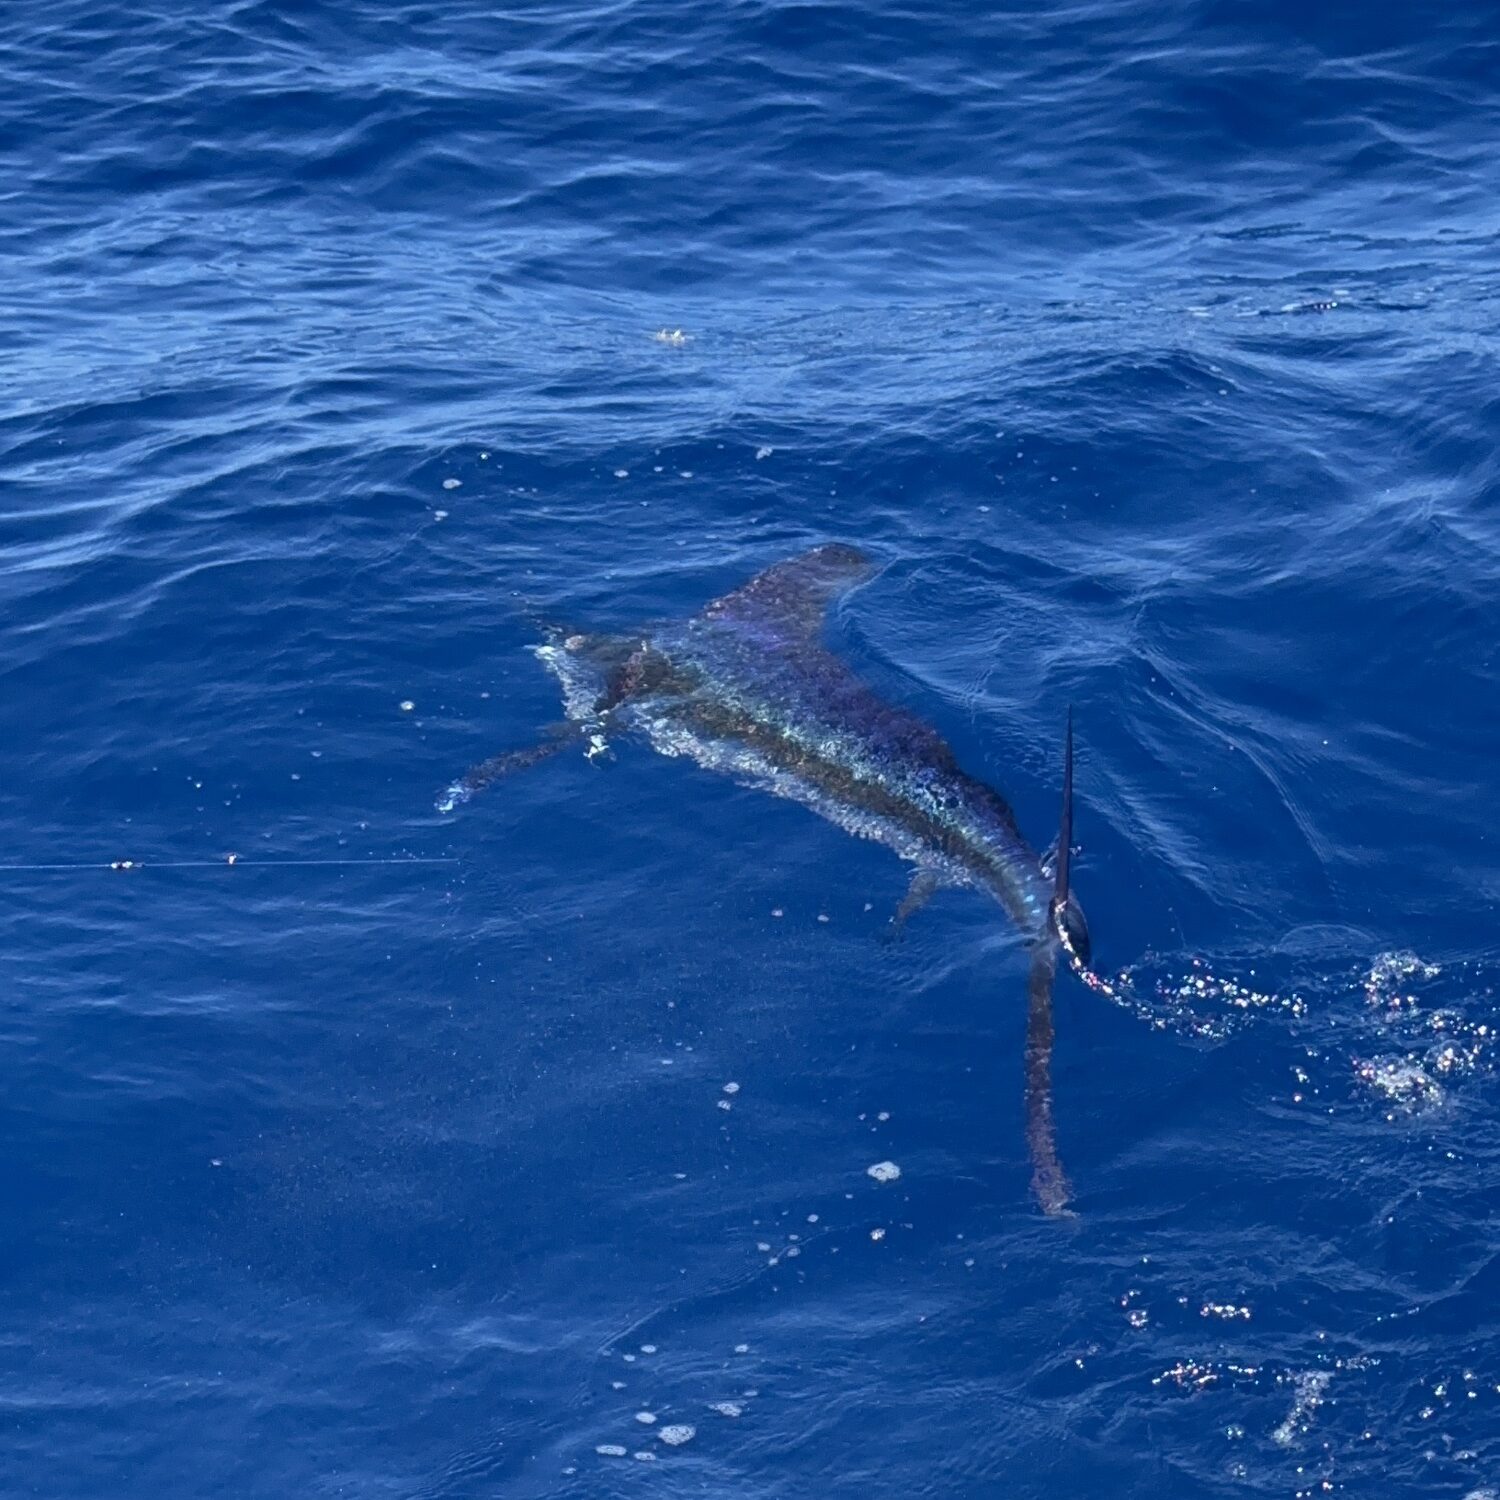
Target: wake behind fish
point(1199, 1002)
point(1404, 1029)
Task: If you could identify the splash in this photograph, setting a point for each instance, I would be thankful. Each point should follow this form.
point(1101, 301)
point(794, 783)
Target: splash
point(1391, 970)
point(1422, 1050)
point(1229, 1311)
point(1399, 1080)
point(1402, 1051)
point(1310, 1387)
point(1199, 1003)
point(1202, 1375)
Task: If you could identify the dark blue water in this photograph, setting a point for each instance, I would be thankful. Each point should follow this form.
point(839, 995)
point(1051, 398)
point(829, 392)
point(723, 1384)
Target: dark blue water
point(1150, 348)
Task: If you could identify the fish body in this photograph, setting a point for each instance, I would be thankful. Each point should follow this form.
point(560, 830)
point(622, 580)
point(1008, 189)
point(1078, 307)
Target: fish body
point(747, 688)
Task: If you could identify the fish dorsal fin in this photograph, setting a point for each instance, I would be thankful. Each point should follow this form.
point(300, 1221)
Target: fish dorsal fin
point(1065, 828)
point(792, 597)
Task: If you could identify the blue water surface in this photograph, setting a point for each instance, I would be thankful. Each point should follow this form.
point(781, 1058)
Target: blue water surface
point(1151, 350)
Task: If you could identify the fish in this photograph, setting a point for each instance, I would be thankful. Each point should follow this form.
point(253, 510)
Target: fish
point(748, 688)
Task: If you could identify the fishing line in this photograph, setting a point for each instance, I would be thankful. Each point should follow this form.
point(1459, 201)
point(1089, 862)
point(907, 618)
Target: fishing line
point(227, 861)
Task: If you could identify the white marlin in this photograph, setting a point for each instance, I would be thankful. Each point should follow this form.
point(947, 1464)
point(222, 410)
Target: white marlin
point(747, 688)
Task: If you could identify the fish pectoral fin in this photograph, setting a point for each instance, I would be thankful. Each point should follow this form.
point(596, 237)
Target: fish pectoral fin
point(558, 737)
point(924, 883)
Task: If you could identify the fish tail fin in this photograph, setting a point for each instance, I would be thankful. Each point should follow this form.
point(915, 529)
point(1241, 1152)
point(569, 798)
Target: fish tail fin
point(1068, 924)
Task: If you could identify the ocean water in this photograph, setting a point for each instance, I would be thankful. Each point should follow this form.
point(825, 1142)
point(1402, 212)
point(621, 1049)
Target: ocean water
point(1151, 350)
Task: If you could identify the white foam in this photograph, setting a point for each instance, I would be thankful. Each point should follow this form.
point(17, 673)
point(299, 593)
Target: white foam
point(455, 796)
point(1226, 1310)
point(581, 681)
point(1391, 970)
point(1310, 1386)
point(1401, 1080)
